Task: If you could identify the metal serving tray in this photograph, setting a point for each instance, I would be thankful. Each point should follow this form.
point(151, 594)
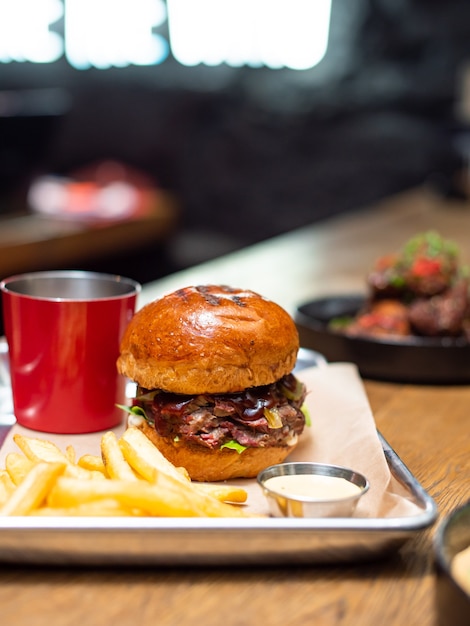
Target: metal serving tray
point(201, 541)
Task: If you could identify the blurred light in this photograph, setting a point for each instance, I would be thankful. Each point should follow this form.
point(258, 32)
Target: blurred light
point(107, 33)
point(119, 33)
point(24, 31)
point(275, 33)
point(83, 200)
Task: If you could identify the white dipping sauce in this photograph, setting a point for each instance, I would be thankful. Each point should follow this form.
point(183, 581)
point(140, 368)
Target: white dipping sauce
point(312, 486)
point(460, 568)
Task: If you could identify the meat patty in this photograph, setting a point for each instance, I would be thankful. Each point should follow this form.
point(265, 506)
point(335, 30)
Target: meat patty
point(257, 417)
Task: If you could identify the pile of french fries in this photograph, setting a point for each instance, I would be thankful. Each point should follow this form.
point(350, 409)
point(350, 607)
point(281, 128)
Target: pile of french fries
point(130, 478)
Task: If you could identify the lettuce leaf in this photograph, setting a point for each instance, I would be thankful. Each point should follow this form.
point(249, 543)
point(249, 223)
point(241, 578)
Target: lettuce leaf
point(133, 410)
point(305, 411)
point(234, 445)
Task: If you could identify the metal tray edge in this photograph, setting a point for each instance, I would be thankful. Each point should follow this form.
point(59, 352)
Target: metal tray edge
point(180, 541)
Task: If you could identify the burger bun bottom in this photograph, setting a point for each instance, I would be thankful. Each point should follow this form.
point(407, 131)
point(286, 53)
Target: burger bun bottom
point(205, 465)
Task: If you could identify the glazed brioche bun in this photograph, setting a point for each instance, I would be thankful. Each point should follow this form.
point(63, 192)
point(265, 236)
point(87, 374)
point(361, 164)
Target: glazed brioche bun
point(205, 465)
point(208, 339)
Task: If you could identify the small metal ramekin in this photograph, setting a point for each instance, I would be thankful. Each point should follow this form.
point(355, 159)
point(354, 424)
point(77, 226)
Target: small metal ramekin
point(452, 598)
point(283, 505)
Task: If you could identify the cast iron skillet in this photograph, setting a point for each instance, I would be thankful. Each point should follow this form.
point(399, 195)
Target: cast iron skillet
point(418, 360)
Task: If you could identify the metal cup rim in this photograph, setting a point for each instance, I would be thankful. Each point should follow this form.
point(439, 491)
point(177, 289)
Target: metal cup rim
point(134, 287)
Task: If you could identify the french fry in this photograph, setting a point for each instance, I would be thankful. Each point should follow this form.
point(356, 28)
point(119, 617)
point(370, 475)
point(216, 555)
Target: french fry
point(222, 492)
point(6, 480)
point(40, 449)
point(43, 450)
point(132, 478)
point(116, 465)
point(17, 466)
point(155, 500)
point(5, 493)
point(70, 454)
point(33, 490)
point(105, 507)
point(74, 471)
point(184, 473)
point(168, 499)
point(92, 463)
point(145, 458)
point(210, 506)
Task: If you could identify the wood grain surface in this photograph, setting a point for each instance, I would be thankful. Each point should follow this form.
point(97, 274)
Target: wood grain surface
point(428, 426)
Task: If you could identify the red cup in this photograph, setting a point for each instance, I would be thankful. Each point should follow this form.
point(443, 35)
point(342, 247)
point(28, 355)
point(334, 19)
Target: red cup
point(63, 330)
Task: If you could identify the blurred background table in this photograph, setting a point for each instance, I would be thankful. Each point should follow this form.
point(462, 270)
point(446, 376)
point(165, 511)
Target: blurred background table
point(332, 256)
point(426, 425)
point(30, 242)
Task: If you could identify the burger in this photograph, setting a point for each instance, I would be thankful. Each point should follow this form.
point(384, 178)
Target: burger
point(215, 389)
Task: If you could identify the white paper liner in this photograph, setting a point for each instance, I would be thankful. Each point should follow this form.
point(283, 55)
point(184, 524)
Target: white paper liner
point(342, 432)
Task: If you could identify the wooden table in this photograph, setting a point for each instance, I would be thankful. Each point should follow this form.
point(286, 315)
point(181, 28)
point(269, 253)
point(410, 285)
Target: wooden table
point(427, 426)
point(33, 242)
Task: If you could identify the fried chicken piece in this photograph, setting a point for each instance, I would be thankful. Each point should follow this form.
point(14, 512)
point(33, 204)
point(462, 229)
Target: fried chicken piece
point(426, 266)
point(442, 315)
point(383, 318)
point(385, 279)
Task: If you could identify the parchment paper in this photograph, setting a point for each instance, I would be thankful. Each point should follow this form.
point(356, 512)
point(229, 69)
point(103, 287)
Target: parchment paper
point(342, 432)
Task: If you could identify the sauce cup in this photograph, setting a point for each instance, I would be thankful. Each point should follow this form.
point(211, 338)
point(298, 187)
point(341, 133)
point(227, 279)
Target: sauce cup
point(453, 588)
point(312, 489)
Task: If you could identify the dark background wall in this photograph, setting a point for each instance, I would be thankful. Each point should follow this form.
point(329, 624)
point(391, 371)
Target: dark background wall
point(252, 153)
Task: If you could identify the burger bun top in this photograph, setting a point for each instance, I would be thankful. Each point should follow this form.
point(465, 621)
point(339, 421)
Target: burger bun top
point(208, 339)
